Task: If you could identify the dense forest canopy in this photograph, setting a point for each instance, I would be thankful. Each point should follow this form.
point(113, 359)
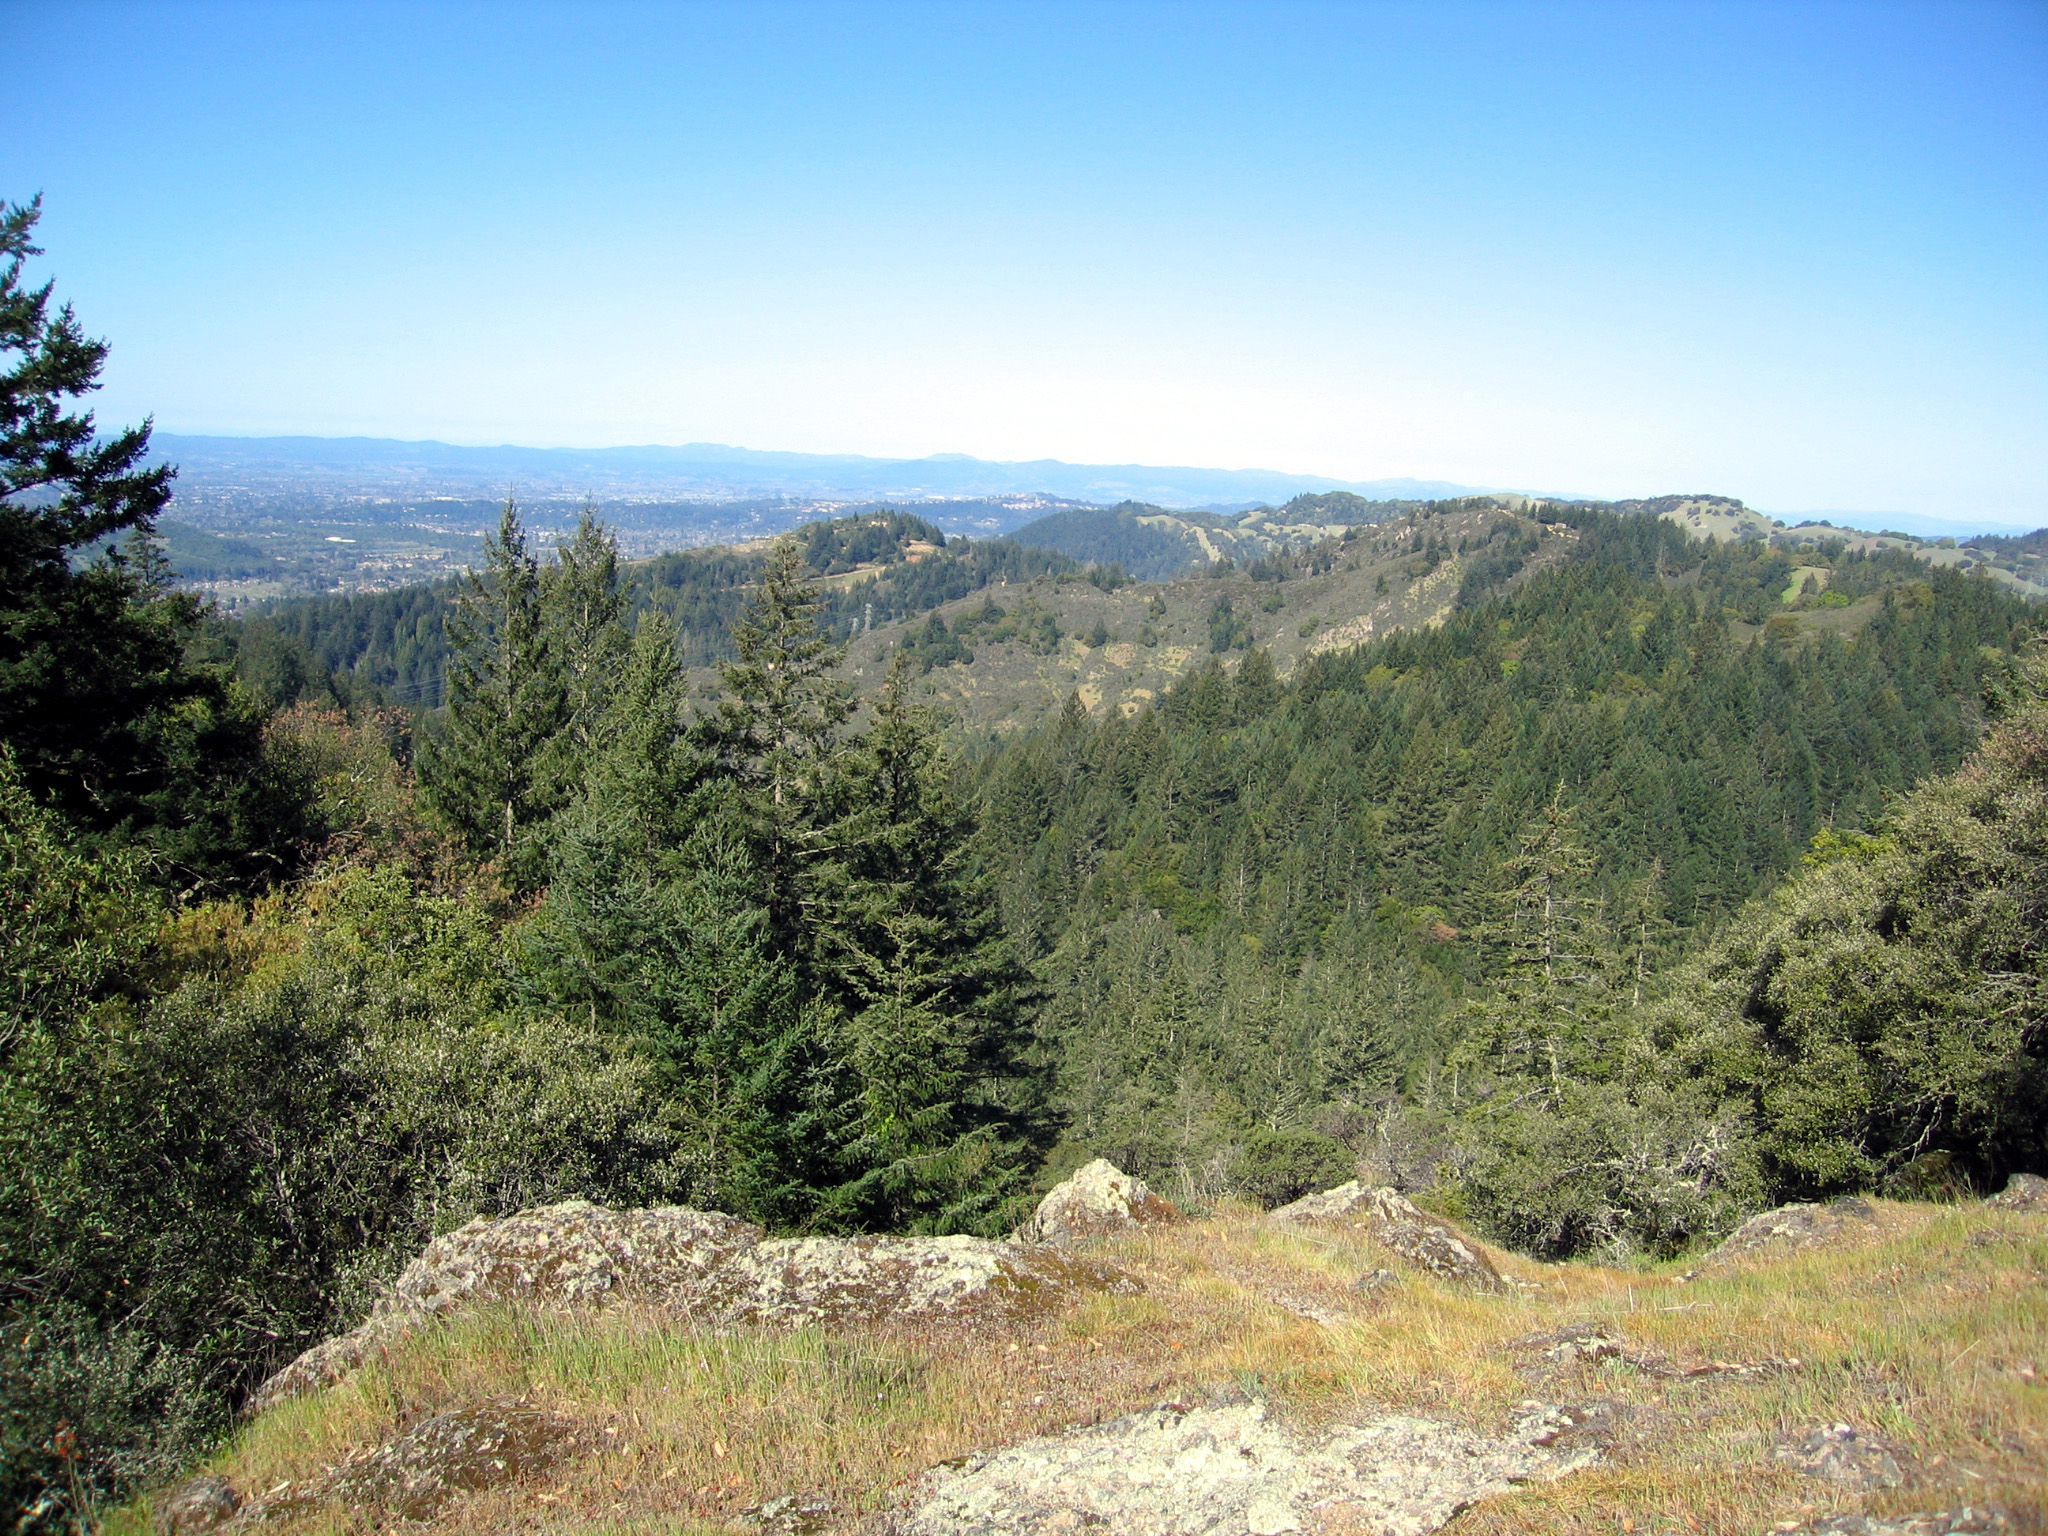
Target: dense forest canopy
point(1646, 882)
point(392, 647)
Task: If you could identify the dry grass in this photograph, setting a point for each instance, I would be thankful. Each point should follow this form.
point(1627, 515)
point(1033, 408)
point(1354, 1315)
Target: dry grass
point(1933, 1333)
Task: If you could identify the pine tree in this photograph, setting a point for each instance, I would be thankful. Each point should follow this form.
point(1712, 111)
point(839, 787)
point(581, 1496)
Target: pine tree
point(933, 1003)
point(776, 733)
point(491, 770)
point(584, 604)
point(107, 718)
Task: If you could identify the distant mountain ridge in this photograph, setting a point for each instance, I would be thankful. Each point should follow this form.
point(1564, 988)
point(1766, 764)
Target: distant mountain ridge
point(720, 471)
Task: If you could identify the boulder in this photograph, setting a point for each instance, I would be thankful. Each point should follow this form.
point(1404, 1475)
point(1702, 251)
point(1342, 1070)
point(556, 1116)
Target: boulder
point(714, 1268)
point(821, 1280)
point(416, 1472)
point(197, 1504)
point(1790, 1228)
point(1230, 1471)
point(570, 1254)
point(1398, 1225)
point(2022, 1192)
point(1099, 1200)
point(460, 1451)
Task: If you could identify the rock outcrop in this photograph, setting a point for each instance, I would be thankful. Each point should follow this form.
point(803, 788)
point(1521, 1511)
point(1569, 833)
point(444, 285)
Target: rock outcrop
point(820, 1280)
point(1792, 1227)
point(1402, 1228)
point(1840, 1454)
point(1970, 1520)
point(411, 1475)
point(1098, 1200)
point(572, 1254)
point(197, 1504)
point(460, 1451)
point(1229, 1471)
point(2022, 1192)
point(714, 1268)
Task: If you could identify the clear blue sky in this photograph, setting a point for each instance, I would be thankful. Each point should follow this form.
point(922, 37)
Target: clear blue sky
point(1790, 252)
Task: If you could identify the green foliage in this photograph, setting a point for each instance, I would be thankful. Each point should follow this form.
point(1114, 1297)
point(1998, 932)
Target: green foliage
point(778, 909)
point(1116, 536)
point(1248, 826)
point(1887, 1005)
point(202, 1183)
point(392, 646)
point(534, 652)
point(108, 718)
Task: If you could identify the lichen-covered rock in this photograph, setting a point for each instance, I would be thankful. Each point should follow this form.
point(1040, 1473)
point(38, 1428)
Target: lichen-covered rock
point(1401, 1227)
point(330, 1360)
point(197, 1504)
point(714, 1268)
point(413, 1474)
point(1228, 1471)
point(1098, 1200)
point(1792, 1227)
point(1969, 1520)
point(807, 1280)
point(1352, 1200)
point(1839, 1454)
point(2022, 1192)
point(572, 1254)
point(456, 1452)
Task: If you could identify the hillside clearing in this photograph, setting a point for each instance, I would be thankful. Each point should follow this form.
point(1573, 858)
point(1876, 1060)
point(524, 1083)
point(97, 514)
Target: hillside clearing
point(1928, 1330)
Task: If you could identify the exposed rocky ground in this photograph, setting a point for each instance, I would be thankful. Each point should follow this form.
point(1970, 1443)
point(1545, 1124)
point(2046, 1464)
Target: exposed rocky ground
point(1231, 1471)
point(1401, 1227)
point(1791, 1227)
point(989, 1386)
point(708, 1267)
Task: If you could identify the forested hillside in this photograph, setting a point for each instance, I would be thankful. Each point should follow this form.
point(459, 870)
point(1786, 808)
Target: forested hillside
point(393, 647)
point(1261, 906)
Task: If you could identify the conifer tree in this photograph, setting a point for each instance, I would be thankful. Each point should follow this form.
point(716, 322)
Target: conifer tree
point(107, 718)
point(490, 770)
point(776, 732)
point(584, 603)
point(933, 1002)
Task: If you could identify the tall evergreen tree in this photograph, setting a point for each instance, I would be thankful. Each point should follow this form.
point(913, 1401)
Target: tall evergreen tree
point(107, 719)
point(934, 1004)
point(776, 733)
point(491, 769)
point(586, 603)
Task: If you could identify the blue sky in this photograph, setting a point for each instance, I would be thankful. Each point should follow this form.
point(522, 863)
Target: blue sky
point(1789, 252)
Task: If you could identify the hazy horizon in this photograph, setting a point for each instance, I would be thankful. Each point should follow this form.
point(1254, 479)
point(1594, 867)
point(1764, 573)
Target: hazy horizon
point(1789, 252)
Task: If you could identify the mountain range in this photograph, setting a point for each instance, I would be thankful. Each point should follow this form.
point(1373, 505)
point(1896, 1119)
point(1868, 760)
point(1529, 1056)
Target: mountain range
point(716, 471)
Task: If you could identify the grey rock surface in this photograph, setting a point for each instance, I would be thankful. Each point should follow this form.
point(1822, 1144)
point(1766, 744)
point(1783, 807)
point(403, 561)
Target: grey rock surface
point(571, 1254)
point(414, 1473)
point(1097, 1200)
point(1840, 1454)
point(197, 1504)
point(1403, 1228)
point(1969, 1520)
point(461, 1451)
point(1228, 1471)
point(1792, 1227)
point(820, 1280)
point(711, 1267)
point(2022, 1192)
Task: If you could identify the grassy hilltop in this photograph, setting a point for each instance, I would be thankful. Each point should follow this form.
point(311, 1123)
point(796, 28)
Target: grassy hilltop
point(1928, 1330)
